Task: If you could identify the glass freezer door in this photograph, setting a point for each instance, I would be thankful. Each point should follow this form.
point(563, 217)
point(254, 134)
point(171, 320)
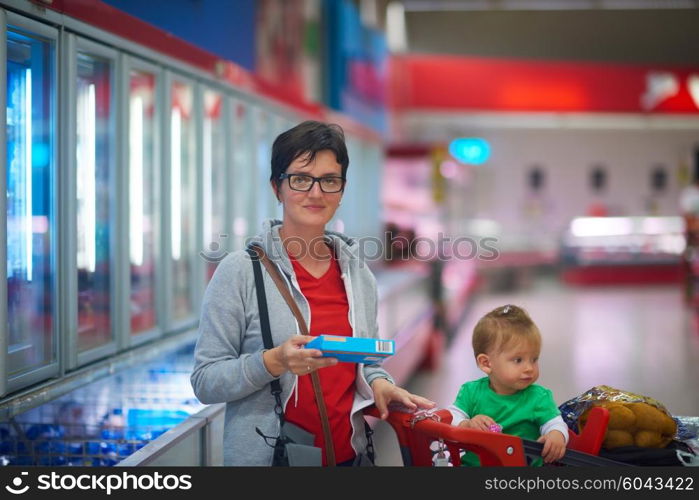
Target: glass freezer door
point(143, 200)
point(94, 198)
point(216, 238)
point(31, 217)
point(183, 198)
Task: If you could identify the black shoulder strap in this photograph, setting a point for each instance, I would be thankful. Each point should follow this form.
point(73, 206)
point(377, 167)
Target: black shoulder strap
point(259, 259)
point(264, 318)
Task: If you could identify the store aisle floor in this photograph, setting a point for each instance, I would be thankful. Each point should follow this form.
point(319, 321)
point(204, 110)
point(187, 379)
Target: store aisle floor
point(633, 338)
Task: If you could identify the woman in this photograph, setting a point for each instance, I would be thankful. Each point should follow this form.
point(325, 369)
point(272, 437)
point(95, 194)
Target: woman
point(336, 293)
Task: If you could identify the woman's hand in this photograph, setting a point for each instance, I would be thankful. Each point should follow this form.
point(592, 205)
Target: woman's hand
point(554, 446)
point(479, 422)
point(385, 392)
point(292, 357)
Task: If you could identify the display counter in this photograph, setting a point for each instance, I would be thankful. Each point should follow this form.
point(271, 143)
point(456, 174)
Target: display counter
point(623, 250)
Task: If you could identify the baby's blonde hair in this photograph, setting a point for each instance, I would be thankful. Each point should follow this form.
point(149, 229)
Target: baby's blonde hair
point(504, 326)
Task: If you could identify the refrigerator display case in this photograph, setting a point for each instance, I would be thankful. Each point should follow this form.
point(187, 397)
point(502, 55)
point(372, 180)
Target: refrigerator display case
point(102, 423)
point(618, 250)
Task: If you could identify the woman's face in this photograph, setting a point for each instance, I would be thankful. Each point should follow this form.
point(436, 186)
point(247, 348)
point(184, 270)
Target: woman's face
point(312, 208)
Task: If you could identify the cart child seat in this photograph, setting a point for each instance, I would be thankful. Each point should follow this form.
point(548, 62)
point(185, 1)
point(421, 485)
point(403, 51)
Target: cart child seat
point(416, 431)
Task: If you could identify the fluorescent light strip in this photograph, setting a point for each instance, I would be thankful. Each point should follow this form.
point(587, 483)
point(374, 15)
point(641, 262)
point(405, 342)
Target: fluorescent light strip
point(90, 178)
point(136, 181)
point(80, 177)
point(175, 182)
point(208, 186)
point(601, 226)
point(86, 171)
point(28, 200)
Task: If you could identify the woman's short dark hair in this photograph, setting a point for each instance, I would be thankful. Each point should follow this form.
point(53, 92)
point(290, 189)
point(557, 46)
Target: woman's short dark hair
point(307, 138)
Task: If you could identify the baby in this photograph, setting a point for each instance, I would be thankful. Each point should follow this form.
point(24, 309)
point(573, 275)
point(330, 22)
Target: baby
point(506, 343)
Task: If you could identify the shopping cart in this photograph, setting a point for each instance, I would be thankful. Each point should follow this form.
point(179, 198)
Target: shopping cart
point(418, 432)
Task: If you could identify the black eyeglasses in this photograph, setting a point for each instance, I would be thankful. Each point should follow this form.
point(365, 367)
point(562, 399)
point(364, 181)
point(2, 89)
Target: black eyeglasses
point(303, 182)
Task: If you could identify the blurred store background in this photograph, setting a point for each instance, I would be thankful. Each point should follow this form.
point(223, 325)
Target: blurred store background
point(536, 152)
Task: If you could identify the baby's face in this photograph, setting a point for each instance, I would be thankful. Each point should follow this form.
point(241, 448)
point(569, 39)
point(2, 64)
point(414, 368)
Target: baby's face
point(514, 368)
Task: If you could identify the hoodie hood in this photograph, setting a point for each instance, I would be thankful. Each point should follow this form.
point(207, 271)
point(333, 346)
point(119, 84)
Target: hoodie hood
point(345, 247)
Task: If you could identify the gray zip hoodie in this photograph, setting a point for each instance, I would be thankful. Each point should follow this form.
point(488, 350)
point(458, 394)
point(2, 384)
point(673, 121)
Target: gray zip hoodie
point(228, 354)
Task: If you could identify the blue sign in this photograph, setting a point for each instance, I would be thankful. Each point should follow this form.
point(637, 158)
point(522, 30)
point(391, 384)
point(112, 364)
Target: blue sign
point(470, 150)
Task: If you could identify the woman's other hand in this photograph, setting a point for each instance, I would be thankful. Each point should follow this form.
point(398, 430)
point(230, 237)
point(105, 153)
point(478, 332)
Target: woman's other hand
point(292, 357)
point(385, 393)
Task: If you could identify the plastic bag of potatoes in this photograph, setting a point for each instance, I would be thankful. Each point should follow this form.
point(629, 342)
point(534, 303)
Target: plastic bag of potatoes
point(634, 420)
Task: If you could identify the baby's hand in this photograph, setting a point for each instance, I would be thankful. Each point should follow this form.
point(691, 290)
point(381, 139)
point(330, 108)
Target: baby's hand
point(480, 422)
point(554, 446)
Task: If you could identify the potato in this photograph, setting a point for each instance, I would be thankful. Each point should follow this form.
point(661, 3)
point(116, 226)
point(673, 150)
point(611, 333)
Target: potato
point(648, 439)
point(648, 417)
point(639, 424)
point(621, 418)
point(614, 439)
point(668, 426)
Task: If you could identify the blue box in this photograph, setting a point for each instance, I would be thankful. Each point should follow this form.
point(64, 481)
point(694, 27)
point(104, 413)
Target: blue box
point(353, 349)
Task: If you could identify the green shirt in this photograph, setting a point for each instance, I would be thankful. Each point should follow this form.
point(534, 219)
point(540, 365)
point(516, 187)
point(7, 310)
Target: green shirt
point(521, 414)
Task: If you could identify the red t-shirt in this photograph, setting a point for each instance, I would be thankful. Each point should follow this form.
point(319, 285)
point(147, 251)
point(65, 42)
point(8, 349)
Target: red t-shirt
point(329, 315)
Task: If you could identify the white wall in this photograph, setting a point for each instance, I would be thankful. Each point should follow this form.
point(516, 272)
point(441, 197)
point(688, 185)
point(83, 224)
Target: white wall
point(499, 190)
point(567, 157)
